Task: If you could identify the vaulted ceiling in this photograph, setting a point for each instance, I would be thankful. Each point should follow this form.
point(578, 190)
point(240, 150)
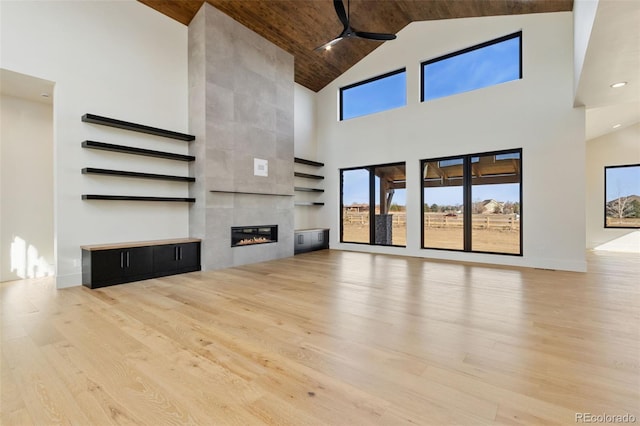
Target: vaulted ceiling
point(299, 26)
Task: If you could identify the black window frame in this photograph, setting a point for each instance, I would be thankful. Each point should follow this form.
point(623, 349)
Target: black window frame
point(605, 196)
point(517, 34)
point(372, 203)
point(367, 81)
point(468, 202)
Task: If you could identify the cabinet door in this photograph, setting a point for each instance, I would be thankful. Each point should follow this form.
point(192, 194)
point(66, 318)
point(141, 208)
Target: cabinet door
point(188, 257)
point(165, 259)
point(302, 242)
point(325, 239)
point(318, 239)
point(107, 267)
point(138, 262)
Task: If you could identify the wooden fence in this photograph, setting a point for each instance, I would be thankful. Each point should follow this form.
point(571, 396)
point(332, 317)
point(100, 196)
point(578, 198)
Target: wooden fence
point(479, 221)
point(441, 220)
point(362, 218)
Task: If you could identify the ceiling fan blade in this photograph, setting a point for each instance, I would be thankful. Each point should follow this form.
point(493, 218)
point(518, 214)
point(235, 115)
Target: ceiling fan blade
point(329, 44)
point(342, 14)
point(375, 36)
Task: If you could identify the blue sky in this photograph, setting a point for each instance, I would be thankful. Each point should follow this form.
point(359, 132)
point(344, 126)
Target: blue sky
point(356, 189)
point(479, 68)
point(379, 95)
point(622, 182)
point(452, 195)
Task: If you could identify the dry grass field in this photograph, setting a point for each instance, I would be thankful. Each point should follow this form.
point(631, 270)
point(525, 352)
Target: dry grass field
point(359, 233)
point(500, 239)
point(625, 222)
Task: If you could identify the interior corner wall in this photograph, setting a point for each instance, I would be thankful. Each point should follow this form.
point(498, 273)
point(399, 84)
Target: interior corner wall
point(26, 189)
point(584, 15)
point(121, 60)
point(535, 113)
point(613, 149)
point(306, 147)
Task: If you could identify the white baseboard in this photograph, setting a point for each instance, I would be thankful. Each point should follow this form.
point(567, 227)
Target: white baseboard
point(65, 281)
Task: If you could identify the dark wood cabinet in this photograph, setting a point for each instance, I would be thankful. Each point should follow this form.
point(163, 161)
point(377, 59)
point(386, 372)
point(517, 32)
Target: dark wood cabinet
point(310, 239)
point(108, 267)
point(302, 242)
point(189, 257)
point(176, 258)
point(121, 263)
point(321, 239)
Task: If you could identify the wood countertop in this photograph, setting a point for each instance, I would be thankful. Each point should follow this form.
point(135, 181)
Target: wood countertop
point(114, 246)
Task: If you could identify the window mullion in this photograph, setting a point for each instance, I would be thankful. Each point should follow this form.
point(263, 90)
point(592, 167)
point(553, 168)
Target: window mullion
point(372, 206)
point(467, 203)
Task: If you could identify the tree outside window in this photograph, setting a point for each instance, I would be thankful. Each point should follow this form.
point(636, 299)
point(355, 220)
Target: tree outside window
point(622, 196)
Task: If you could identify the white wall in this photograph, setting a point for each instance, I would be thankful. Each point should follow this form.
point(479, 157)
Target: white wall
point(534, 113)
point(26, 189)
point(613, 149)
point(584, 15)
point(123, 60)
point(304, 125)
point(305, 146)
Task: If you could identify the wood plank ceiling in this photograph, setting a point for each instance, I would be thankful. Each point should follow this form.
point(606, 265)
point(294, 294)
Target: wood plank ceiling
point(299, 26)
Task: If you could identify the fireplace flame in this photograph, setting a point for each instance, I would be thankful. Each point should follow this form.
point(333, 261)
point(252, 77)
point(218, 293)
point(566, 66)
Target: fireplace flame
point(254, 240)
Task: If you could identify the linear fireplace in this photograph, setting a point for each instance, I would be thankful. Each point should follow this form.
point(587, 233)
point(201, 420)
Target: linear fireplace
point(252, 235)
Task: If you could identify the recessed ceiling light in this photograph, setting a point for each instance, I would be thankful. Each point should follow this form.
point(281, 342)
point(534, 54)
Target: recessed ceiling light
point(615, 126)
point(620, 84)
point(44, 94)
point(328, 47)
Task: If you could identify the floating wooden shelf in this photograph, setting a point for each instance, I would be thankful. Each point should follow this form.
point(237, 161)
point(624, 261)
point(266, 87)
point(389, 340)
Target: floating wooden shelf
point(307, 175)
point(307, 162)
point(111, 122)
point(94, 171)
point(136, 198)
point(304, 189)
point(136, 151)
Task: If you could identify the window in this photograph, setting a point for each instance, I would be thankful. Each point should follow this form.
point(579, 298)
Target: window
point(377, 94)
point(494, 62)
point(373, 205)
point(622, 196)
point(473, 203)
point(443, 200)
point(356, 206)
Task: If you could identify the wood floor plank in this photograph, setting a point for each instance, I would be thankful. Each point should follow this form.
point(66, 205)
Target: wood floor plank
point(99, 407)
point(328, 337)
point(45, 397)
point(10, 398)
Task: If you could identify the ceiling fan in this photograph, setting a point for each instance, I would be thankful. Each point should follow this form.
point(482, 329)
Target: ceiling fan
point(348, 31)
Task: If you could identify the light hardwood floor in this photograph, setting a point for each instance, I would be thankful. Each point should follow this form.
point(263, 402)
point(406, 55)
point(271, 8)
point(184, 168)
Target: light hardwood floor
point(330, 337)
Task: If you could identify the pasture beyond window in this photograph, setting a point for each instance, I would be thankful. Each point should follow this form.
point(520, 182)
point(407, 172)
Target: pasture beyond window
point(473, 203)
point(373, 205)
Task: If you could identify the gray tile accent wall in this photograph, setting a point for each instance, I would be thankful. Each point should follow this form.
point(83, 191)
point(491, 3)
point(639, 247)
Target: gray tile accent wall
point(241, 92)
